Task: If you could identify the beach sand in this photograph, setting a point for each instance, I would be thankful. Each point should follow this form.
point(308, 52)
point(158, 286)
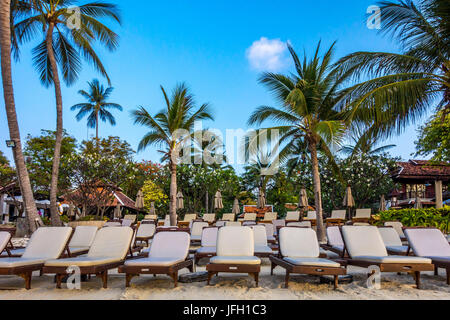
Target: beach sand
point(232, 287)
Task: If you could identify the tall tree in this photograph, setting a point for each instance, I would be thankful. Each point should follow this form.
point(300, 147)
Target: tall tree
point(403, 86)
point(97, 105)
point(13, 125)
point(171, 128)
point(69, 35)
point(307, 113)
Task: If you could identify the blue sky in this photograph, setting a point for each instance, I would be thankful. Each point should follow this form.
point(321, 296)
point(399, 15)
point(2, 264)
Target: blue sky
point(205, 44)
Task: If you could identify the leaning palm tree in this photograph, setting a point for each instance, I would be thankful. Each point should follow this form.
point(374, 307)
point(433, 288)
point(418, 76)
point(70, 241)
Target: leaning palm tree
point(171, 129)
point(97, 106)
point(13, 125)
point(403, 86)
point(307, 112)
point(68, 36)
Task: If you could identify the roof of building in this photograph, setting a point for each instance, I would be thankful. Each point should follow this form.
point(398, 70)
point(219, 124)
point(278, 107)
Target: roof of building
point(421, 170)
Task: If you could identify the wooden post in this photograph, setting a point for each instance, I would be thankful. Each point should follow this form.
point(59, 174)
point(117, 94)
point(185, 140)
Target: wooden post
point(439, 199)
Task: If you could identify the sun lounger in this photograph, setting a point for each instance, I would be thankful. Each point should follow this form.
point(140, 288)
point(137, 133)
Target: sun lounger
point(168, 255)
point(188, 218)
point(432, 244)
point(127, 223)
point(366, 248)
point(362, 216)
point(151, 217)
point(228, 217)
point(112, 224)
point(249, 223)
point(233, 224)
point(209, 217)
point(108, 251)
point(270, 231)
point(197, 229)
point(398, 226)
point(335, 242)
point(393, 242)
point(248, 217)
point(209, 244)
point(337, 218)
point(300, 254)
point(130, 217)
point(311, 217)
point(262, 248)
point(304, 224)
point(269, 217)
point(145, 233)
point(45, 244)
point(235, 253)
point(292, 216)
point(81, 241)
point(220, 223)
point(5, 238)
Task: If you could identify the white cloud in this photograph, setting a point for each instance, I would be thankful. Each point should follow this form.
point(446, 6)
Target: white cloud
point(267, 55)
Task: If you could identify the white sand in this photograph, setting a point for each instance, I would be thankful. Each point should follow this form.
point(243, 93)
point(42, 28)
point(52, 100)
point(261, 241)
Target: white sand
point(232, 287)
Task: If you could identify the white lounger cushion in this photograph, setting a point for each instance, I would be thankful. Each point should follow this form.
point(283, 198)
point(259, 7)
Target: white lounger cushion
point(312, 215)
point(299, 243)
point(220, 223)
point(197, 229)
point(83, 236)
point(47, 243)
point(209, 217)
point(398, 249)
point(334, 237)
point(250, 217)
point(209, 237)
point(19, 262)
point(338, 214)
point(317, 262)
point(111, 242)
point(428, 242)
point(270, 216)
point(398, 226)
point(390, 237)
point(80, 262)
point(207, 250)
point(4, 239)
point(233, 224)
point(235, 241)
point(393, 259)
point(263, 249)
point(146, 230)
point(260, 235)
point(78, 249)
point(235, 260)
point(305, 224)
point(228, 217)
point(170, 245)
point(112, 224)
point(154, 262)
point(293, 216)
point(363, 213)
point(363, 241)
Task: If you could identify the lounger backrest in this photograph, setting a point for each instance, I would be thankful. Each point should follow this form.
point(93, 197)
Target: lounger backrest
point(390, 237)
point(111, 242)
point(363, 213)
point(278, 223)
point(209, 217)
point(363, 241)
point(189, 217)
point(299, 243)
point(312, 215)
point(127, 223)
point(209, 237)
point(83, 236)
point(398, 226)
point(228, 217)
point(428, 242)
point(233, 224)
point(220, 223)
point(338, 214)
point(235, 241)
point(146, 230)
point(151, 217)
point(270, 230)
point(306, 224)
point(170, 245)
point(112, 224)
point(260, 235)
point(293, 216)
point(250, 217)
point(47, 243)
point(197, 228)
point(131, 217)
point(249, 223)
point(334, 237)
point(4, 239)
point(270, 216)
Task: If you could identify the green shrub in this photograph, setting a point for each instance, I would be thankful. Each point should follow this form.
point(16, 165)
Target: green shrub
point(419, 217)
point(93, 218)
point(140, 217)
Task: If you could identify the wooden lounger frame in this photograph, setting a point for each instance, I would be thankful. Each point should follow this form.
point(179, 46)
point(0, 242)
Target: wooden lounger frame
point(172, 271)
point(214, 269)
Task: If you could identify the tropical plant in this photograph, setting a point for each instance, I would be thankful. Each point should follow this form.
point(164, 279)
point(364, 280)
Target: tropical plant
point(434, 138)
point(97, 106)
point(63, 46)
point(171, 128)
point(13, 125)
point(402, 86)
point(307, 112)
point(437, 218)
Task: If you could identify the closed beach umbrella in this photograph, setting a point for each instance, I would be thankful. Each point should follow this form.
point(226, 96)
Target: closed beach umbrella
point(218, 204)
point(418, 204)
point(261, 199)
point(71, 211)
point(118, 212)
point(180, 200)
point(236, 209)
point(348, 202)
point(383, 203)
point(152, 208)
point(303, 199)
point(140, 200)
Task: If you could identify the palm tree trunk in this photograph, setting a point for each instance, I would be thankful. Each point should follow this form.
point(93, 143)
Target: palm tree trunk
point(13, 125)
point(96, 125)
point(317, 191)
point(56, 221)
point(173, 193)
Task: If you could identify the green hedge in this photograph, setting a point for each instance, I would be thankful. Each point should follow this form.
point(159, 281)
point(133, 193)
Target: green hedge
point(419, 217)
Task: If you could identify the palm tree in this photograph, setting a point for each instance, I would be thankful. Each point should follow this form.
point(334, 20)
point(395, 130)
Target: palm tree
point(97, 106)
point(402, 87)
point(171, 128)
point(307, 113)
point(63, 46)
point(13, 125)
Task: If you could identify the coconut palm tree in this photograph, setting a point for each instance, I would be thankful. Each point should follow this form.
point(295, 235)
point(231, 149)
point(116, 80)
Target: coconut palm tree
point(171, 129)
point(307, 112)
point(96, 106)
point(68, 36)
point(403, 86)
